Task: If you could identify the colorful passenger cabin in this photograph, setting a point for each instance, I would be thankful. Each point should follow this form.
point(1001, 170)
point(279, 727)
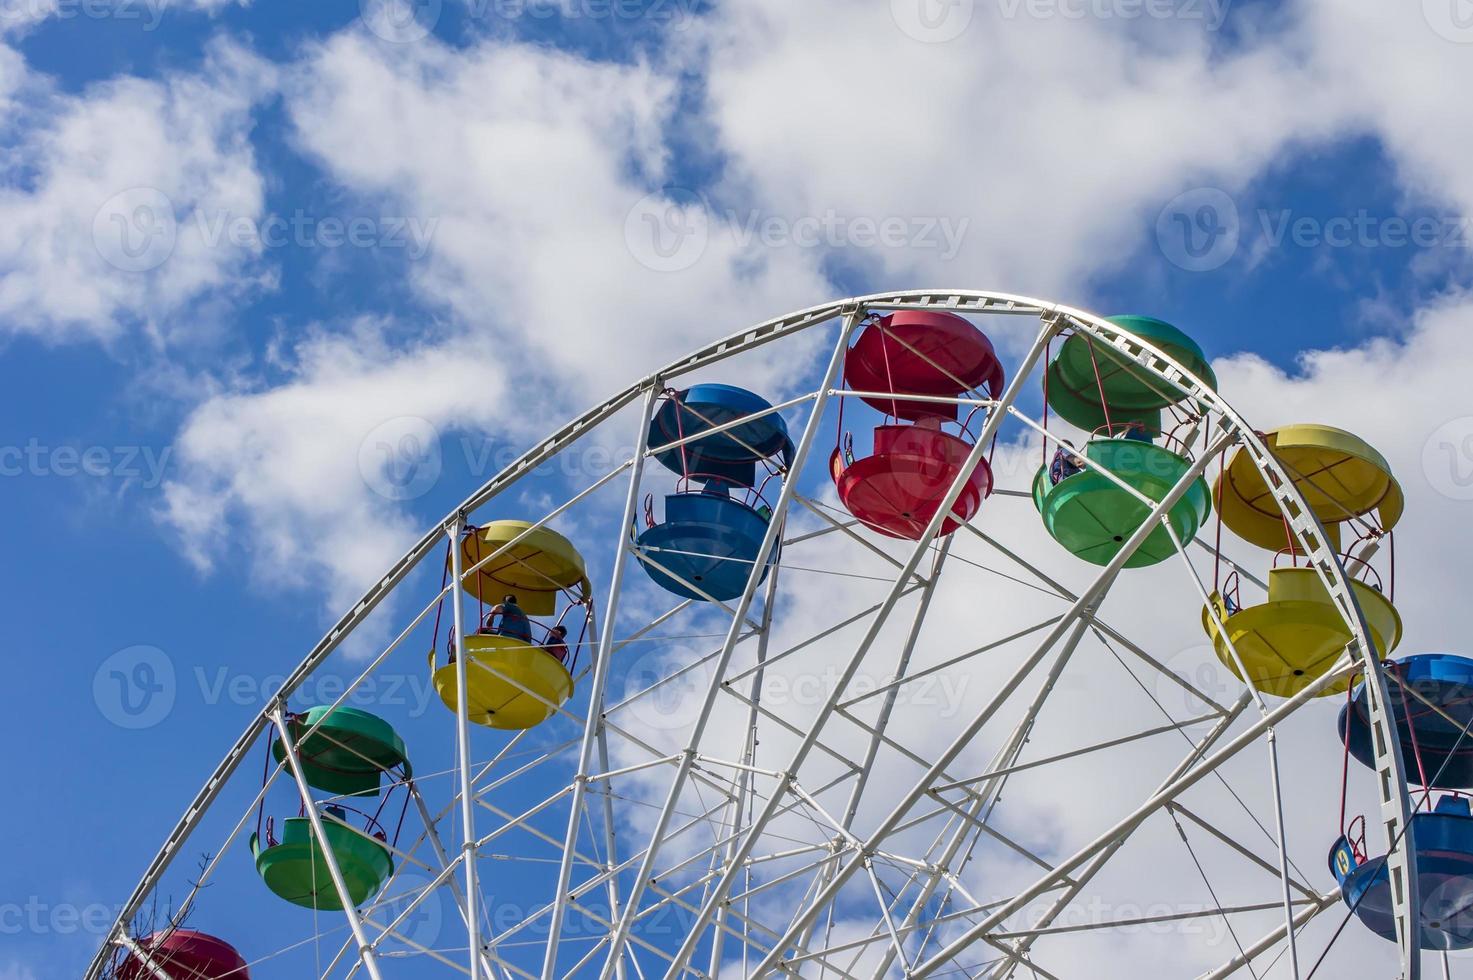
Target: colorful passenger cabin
point(1093, 516)
point(1298, 633)
point(537, 566)
point(294, 866)
point(708, 539)
point(515, 682)
point(1442, 846)
point(1342, 479)
point(345, 751)
point(1091, 383)
point(182, 954)
point(916, 367)
point(1432, 701)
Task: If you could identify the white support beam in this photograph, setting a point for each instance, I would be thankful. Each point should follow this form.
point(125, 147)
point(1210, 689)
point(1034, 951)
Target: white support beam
point(366, 952)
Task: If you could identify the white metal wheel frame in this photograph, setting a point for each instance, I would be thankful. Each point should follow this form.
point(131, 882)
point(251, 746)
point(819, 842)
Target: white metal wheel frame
point(714, 885)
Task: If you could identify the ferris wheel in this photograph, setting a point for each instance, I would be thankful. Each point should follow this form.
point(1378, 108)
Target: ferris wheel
point(991, 646)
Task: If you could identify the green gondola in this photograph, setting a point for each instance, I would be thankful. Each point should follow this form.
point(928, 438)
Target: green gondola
point(1091, 516)
point(295, 868)
point(348, 753)
point(1091, 384)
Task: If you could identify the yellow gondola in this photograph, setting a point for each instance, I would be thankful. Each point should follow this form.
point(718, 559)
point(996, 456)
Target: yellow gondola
point(1341, 477)
point(509, 684)
point(513, 684)
point(1299, 633)
point(537, 568)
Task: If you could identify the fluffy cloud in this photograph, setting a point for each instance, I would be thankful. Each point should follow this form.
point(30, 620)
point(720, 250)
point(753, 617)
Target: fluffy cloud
point(1056, 139)
point(106, 220)
point(1418, 128)
point(1399, 395)
point(539, 168)
point(315, 469)
point(525, 161)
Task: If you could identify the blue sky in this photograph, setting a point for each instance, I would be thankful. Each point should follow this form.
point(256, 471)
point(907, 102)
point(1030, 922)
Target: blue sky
point(182, 439)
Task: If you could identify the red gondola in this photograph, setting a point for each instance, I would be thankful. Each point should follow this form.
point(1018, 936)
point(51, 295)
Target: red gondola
point(918, 368)
point(183, 954)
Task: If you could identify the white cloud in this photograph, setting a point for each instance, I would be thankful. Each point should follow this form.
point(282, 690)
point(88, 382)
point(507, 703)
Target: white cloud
point(1401, 395)
point(524, 159)
point(311, 471)
point(1057, 139)
point(1413, 108)
point(531, 161)
point(101, 222)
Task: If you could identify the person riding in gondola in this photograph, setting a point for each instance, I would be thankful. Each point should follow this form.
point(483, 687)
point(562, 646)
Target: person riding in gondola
point(557, 643)
point(1137, 432)
point(506, 618)
point(1066, 463)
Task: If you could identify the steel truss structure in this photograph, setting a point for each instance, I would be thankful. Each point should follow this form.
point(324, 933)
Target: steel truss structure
point(830, 838)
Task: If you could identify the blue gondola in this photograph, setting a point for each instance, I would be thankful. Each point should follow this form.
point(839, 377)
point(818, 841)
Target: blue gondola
point(1442, 842)
point(714, 522)
point(1416, 683)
